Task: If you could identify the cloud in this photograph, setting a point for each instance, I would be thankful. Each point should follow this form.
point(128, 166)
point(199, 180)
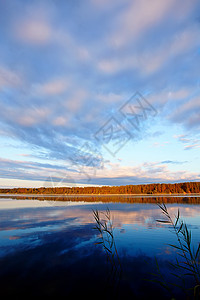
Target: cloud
point(56, 126)
point(53, 87)
point(33, 24)
point(140, 174)
point(110, 98)
point(140, 18)
point(175, 47)
point(180, 94)
point(76, 100)
point(9, 78)
point(31, 116)
point(160, 144)
point(179, 106)
point(154, 59)
point(60, 121)
point(188, 113)
point(194, 146)
point(174, 162)
point(27, 169)
point(110, 174)
point(188, 141)
point(35, 32)
point(137, 18)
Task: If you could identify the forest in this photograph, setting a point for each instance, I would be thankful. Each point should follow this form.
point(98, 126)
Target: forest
point(155, 188)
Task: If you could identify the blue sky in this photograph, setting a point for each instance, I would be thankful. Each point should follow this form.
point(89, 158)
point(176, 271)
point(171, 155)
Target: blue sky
point(99, 92)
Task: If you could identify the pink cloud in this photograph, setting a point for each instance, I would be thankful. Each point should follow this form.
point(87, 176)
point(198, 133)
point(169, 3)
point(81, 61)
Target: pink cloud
point(54, 87)
point(138, 17)
point(34, 32)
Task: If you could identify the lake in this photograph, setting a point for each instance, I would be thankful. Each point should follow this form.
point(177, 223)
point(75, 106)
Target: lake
point(48, 247)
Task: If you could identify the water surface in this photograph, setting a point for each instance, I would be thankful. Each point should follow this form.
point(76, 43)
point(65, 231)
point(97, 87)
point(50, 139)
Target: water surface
point(47, 247)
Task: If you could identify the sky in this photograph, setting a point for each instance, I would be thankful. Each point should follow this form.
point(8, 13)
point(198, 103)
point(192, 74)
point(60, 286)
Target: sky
point(99, 92)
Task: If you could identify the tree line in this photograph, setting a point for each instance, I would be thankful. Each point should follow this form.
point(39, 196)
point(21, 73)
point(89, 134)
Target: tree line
point(155, 188)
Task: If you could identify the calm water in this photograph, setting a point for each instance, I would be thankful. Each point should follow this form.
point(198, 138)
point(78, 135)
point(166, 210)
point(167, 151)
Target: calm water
point(48, 249)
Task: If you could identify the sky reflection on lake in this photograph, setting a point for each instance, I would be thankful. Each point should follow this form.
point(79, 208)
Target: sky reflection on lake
point(136, 229)
point(65, 232)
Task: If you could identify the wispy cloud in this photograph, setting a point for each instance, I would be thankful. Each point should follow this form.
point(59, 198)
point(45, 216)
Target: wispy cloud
point(174, 162)
point(129, 28)
point(9, 78)
point(189, 143)
point(54, 87)
point(193, 146)
point(109, 174)
point(188, 113)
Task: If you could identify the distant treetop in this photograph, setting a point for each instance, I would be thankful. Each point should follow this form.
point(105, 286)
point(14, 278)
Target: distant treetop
point(155, 188)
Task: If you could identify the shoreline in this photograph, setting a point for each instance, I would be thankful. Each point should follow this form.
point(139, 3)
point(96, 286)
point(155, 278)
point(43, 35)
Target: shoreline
point(102, 195)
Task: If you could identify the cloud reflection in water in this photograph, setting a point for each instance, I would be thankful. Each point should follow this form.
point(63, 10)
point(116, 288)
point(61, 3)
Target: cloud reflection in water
point(57, 243)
